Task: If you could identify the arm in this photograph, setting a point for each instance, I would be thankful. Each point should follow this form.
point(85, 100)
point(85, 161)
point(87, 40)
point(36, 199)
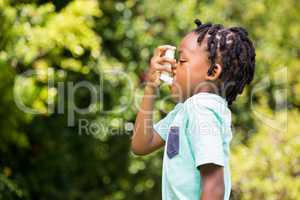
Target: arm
point(145, 140)
point(212, 182)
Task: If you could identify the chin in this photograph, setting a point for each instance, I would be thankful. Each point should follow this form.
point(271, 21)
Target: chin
point(176, 95)
point(175, 98)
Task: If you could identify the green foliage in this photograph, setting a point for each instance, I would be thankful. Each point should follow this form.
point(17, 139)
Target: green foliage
point(41, 157)
point(8, 189)
point(269, 166)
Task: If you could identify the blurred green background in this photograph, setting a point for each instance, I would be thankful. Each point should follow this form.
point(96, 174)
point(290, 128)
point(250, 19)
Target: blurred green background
point(42, 154)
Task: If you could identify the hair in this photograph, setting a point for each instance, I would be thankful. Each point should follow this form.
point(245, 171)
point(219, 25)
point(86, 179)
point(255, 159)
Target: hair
point(232, 47)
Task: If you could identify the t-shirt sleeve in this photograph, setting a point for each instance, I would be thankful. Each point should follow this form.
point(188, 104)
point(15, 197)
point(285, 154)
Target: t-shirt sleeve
point(162, 127)
point(205, 136)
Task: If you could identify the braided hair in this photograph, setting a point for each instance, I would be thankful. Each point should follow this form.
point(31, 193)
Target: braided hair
point(234, 50)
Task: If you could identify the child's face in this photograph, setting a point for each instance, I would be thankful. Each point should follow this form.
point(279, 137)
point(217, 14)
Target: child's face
point(191, 69)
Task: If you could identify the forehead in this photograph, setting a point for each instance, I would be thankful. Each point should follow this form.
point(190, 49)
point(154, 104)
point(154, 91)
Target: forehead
point(189, 44)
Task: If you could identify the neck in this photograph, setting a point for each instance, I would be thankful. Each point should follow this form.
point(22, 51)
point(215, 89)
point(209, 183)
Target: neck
point(206, 88)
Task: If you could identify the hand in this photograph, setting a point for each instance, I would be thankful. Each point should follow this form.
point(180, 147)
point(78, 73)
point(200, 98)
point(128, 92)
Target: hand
point(157, 66)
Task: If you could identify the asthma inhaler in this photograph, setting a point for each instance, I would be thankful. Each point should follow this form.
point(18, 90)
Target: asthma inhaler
point(166, 76)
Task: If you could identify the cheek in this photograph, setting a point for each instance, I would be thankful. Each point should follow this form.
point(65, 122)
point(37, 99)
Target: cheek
point(181, 76)
point(198, 71)
point(180, 82)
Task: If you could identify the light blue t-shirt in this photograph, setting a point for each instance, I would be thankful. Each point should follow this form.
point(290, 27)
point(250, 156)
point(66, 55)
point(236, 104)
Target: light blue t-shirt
point(197, 131)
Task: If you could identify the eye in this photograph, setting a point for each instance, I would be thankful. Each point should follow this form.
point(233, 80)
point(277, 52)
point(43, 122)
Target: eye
point(182, 61)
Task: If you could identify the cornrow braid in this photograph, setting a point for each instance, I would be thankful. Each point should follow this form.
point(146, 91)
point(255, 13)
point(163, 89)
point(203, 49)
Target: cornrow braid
point(234, 50)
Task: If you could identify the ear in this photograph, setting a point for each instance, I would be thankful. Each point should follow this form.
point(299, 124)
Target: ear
point(215, 73)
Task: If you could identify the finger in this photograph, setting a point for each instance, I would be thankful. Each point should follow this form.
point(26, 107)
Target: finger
point(158, 74)
point(174, 67)
point(159, 51)
point(159, 67)
point(174, 70)
point(157, 80)
point(163, 60)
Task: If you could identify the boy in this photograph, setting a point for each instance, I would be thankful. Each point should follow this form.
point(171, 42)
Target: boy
point(215, 64)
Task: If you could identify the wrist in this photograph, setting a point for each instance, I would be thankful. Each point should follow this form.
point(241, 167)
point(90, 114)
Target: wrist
point(150, 89)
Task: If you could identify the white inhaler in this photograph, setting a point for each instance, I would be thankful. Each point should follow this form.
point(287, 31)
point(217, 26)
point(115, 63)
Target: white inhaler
point(166, 76)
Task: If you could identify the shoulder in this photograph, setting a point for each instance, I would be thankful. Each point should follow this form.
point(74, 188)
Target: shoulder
point(205, 106)
point(205, 99)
